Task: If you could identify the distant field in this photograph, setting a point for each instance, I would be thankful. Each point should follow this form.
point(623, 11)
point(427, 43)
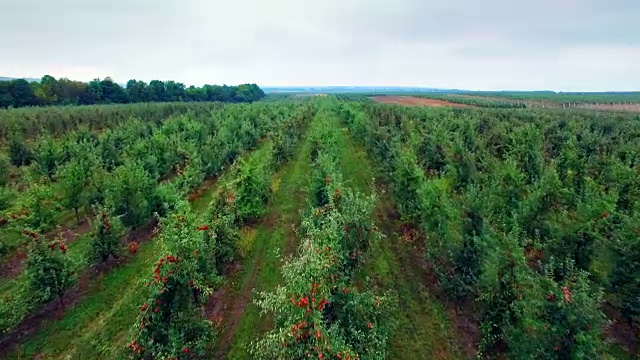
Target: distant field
point(560, 101)
point(416, 101)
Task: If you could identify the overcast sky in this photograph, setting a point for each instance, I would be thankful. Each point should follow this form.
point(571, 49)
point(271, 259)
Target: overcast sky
point(577, 45)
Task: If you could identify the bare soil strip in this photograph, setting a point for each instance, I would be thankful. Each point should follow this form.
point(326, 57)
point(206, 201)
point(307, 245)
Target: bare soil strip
point(416, 101)
point(15, 262)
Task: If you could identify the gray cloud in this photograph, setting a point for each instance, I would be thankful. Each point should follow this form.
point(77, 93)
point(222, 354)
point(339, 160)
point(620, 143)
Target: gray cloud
point(491, 44)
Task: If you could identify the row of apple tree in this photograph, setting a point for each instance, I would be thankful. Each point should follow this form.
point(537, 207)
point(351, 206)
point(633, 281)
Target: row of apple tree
point(197, 247)
point(530, 215)
point(127, 196)
point(318, 311)
point(85, 168)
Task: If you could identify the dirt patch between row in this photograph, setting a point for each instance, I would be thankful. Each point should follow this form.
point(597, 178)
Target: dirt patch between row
point(620, 331)
point(416, 101)
point(15, 263)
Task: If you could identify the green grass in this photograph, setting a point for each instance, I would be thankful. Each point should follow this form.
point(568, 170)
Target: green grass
point(421, 327)
point(617, 352)
point(98, 327)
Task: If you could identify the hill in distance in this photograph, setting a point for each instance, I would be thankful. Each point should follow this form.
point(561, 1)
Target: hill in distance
point(5, 78)
point(413, 90)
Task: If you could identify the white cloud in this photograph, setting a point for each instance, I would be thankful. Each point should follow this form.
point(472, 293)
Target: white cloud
point(494, 44)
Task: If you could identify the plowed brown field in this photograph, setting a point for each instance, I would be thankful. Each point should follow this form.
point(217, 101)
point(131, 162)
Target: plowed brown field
point(416, 101)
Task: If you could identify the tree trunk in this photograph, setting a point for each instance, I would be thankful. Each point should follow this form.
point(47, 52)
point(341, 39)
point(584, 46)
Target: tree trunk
point(77, 216)
point(61, 301)
point(196, 295)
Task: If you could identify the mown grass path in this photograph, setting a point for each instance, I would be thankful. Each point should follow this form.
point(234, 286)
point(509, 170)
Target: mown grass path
point(422, 326)
point(268, 242)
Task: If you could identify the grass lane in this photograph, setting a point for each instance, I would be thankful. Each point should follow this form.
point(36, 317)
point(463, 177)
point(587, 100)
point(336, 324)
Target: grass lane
point(422, 328)
point(273, 238)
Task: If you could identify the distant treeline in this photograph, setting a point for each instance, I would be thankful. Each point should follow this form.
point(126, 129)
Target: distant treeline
point(52, 91)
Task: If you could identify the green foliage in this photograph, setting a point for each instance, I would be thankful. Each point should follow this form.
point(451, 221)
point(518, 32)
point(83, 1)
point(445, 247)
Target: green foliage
point(19, 153)
point(20, 93)
point(359, 230)
point(40, 202)
point(170, 322)
point(441, 218)
point(323, 168)
point(466, 257)
point(23, 94)
point(408, 177)
point(5, 168)
point(130, 194)
point(527, 99)
point(502, 280)
point(625, 275)
point(47, 269)
point(325, 176)
point(113, 164)
point(317, 312)
point(288, 135)
point(167, 196)
point(76, 181)
point(222, 216)
point(526, 216)
point(253, 187)
point(554, 319)
point(193, 173)
point(105, 237)
point(6, 195)
point(47, 156)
